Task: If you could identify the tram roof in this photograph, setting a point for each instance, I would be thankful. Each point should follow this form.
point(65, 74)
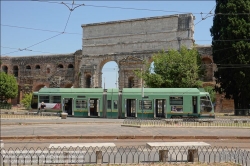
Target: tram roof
point(161, 90)
point(70, 90)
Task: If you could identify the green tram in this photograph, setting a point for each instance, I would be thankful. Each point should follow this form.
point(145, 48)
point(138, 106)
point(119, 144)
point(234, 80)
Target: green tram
point(126, 103)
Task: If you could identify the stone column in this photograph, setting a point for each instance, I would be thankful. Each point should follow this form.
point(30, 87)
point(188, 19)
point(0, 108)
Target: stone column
point(81, 84)
point(163, 155)
point(98, 157)
point(193, 155)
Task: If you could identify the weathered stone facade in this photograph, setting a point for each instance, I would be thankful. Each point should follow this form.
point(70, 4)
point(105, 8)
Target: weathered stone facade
point(137, 39)
point(34, 72)
point(127, 42)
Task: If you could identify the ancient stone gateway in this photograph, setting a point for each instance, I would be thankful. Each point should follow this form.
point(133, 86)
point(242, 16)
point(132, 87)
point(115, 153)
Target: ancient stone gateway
point(129, 43)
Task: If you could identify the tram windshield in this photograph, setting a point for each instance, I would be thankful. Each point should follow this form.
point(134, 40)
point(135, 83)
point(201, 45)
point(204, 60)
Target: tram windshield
point(206, 105)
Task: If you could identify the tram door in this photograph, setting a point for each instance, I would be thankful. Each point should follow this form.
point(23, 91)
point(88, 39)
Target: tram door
point(194, 104)
point(131, 107)
point(160, 108)
point(67, 102)
point(93, 107)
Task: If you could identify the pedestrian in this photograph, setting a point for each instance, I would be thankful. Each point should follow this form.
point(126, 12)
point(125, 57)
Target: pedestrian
point(42, 107)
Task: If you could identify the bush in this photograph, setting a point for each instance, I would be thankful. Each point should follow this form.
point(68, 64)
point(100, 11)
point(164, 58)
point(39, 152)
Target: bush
point(26, 101)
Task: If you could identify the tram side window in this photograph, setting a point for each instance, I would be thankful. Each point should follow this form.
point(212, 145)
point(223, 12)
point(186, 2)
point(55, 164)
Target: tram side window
point(44, 99)
point(81, 103)
point(147, 104)
point(55, 99)
point(115, 104)
point(109, 104)
point(176, 100)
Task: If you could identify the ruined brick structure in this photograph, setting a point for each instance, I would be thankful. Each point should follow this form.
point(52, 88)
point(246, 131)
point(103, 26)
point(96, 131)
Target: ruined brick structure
point(127, 42)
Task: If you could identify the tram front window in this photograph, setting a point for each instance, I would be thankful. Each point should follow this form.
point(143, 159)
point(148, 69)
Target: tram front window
point(206, 105)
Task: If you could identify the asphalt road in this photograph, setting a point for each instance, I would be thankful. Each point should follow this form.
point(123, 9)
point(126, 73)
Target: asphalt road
point(19, 129)
point(115, 129)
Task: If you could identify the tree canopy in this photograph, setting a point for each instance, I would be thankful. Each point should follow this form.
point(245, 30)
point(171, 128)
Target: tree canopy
point(231, 51)
point(211, 91)
point(8, 86)
point(173, 69)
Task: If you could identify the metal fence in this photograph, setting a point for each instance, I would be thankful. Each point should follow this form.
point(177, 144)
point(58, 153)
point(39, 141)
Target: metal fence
point(123, 155)
point(241, 123)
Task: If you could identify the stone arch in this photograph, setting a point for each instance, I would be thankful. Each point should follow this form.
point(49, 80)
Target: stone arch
point(70, 66)
point(60, 66)
point(207, 63)
point(69, 85)
point(28, 67)
point(5, 69)
point(48, 70)
point(15, 71)
point(37, 67)
point(38, 87)
point(106, 60)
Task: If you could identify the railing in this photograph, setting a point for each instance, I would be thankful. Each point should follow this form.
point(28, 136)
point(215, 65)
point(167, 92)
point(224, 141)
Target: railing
point(121, 155)
point(187, 122)
point(27, 115)
point(5, 106)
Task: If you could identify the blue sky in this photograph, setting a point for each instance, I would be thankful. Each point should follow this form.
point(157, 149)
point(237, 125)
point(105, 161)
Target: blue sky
point(49, 18)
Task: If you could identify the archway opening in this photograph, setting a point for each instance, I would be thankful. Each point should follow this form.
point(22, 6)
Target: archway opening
point(15, 71)
point(37, 66)
point(88, 81)
point(152, 67)
point(110, 75)
point(70, 66)
point(131, 82)
point(60, 66)
point(69, 86)
point(5, 69)
point(38, 87)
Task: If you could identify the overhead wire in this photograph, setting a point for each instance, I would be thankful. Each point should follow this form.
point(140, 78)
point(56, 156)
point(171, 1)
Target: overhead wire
point(154, 10)
point(26, 50)
point(71, 9)
point(14, 26)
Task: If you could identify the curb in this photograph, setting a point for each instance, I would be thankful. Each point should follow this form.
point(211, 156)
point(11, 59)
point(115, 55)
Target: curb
point(223, 127)
point(121, 137)
point(52, 123)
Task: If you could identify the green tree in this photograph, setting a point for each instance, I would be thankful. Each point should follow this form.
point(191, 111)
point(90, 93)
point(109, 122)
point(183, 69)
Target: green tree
point(174, 69)
point(231, 51)
point(8, 86)
point(26, 101)
point(212, 92)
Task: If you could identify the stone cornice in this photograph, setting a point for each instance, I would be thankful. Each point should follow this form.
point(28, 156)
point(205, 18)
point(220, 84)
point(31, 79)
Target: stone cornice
point(137, 19)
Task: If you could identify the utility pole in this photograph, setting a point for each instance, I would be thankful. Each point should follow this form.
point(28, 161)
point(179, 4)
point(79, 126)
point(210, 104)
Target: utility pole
point(142, 93)
point(116, 80)
point(104, 82)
